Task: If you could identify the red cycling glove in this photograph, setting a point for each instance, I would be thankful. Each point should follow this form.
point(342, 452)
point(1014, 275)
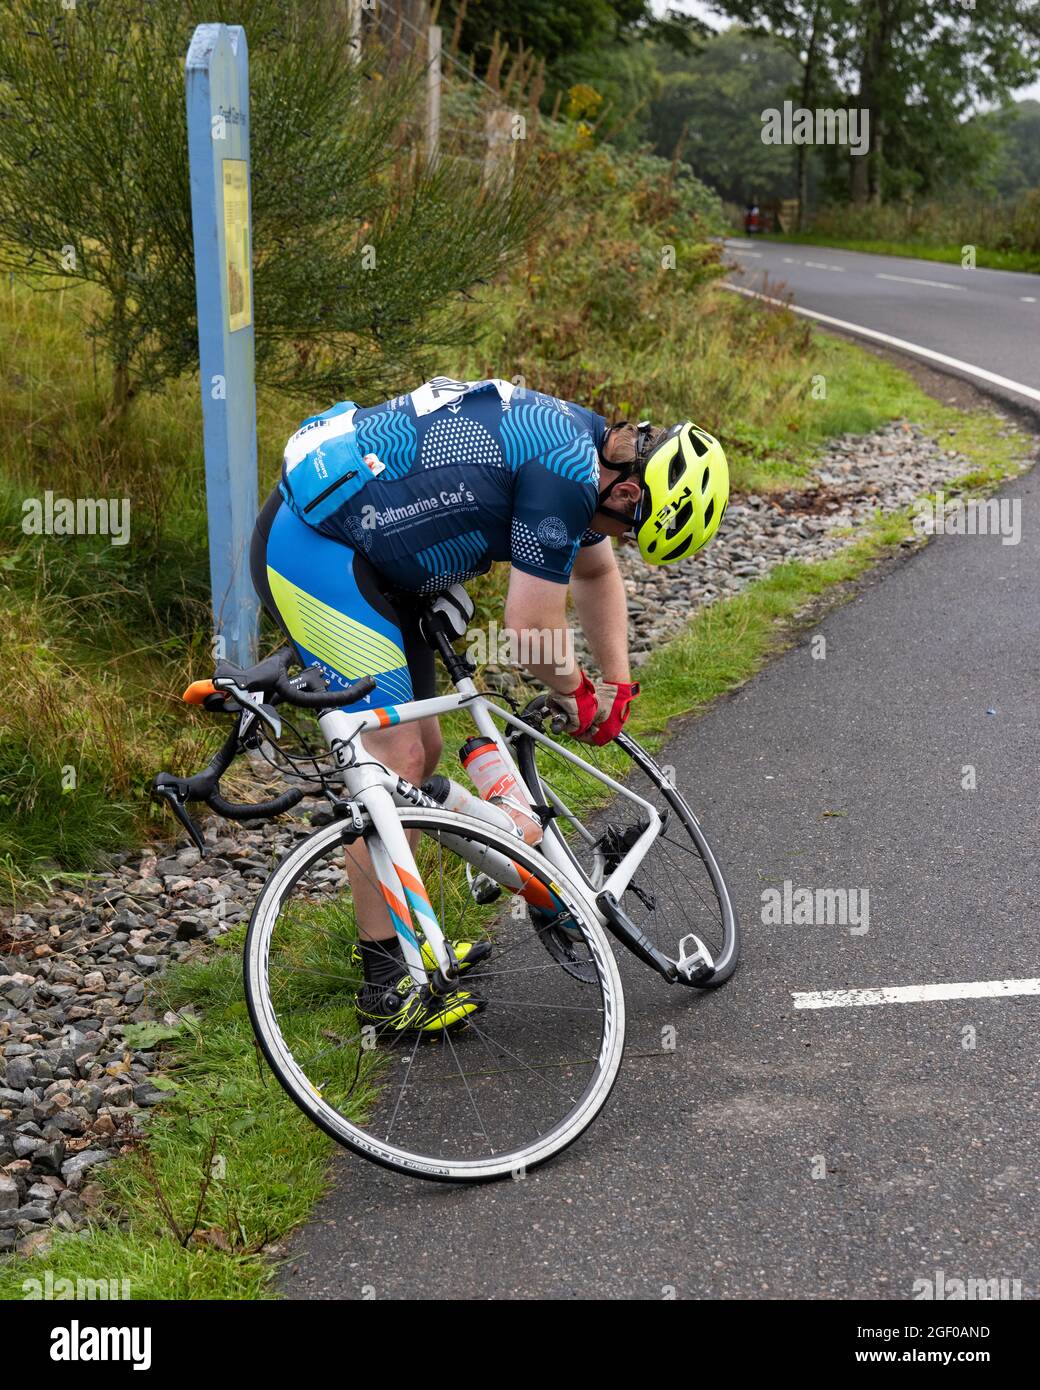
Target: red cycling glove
point(580, 707)
point(614, 699)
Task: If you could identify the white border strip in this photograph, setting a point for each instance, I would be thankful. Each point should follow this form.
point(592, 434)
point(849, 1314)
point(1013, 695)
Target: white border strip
point(913, 994)
point(980, 372)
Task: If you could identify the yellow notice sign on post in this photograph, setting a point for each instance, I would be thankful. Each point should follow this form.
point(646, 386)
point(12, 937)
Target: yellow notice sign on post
point(236, 243)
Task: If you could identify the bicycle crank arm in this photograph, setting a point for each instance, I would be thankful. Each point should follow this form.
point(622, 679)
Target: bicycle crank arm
point(693, 968)
point(626, 931)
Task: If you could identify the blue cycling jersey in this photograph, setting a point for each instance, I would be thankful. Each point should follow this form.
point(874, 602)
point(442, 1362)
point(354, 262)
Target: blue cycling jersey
point(466, 473)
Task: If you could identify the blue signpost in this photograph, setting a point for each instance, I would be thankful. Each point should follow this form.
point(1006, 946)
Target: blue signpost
point(217, 82)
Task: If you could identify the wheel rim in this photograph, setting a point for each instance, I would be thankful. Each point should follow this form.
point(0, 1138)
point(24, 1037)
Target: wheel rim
point(523, 1079)
point(679, 887)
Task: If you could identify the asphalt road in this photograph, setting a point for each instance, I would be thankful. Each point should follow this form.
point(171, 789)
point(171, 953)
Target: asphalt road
point(989, 318)
point(698, 1179)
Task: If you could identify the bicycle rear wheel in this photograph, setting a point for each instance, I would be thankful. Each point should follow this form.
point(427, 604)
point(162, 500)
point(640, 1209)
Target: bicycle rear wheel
point(525, 1077)
point(679, 888)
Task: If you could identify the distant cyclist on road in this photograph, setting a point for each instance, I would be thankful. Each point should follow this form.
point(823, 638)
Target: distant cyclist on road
point(380, 504)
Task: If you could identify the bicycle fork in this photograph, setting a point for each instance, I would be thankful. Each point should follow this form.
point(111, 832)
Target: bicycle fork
point(402, 888)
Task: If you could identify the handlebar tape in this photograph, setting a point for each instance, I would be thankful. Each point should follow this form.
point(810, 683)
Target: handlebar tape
point(325, 699)
point(259, 810)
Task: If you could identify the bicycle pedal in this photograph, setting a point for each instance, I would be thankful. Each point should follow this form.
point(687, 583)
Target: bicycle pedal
point(483, 889)
point(697, 965)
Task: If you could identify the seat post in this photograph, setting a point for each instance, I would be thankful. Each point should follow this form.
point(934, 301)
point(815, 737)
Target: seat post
point(457, 665)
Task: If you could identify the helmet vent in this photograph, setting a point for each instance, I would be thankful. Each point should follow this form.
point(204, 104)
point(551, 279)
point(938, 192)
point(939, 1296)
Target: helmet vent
point(675, 470)
point(680, 519)
point(705, 480)
point(699, 446)
point(709, 511)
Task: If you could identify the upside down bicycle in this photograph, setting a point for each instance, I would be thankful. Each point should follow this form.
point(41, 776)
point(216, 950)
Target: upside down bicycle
point(618, 852)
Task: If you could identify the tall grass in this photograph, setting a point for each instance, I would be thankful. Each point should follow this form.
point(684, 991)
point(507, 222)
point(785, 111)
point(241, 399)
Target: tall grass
point(97, 634)
point(995, 224)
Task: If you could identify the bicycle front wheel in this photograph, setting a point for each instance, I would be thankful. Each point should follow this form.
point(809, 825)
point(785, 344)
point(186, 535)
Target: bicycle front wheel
point(522, 1078)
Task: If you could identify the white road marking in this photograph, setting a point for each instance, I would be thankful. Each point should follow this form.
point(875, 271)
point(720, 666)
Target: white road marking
point(915, 348)
point(913, 280)
point(820, 265)
point(1028, 299)
point(912, 994)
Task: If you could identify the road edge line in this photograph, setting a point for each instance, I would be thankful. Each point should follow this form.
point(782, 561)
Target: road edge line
point(901, 343)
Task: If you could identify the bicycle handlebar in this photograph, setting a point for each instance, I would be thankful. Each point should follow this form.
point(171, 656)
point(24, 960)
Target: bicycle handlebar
point(177, 792)
point(256, 810)
point(270, 680)
point(322, 699)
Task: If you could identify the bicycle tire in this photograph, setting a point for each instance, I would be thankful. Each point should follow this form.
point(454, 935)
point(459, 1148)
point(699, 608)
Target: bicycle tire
point(487, 1167)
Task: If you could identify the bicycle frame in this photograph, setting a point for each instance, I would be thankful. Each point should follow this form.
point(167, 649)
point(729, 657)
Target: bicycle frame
point(379, 791)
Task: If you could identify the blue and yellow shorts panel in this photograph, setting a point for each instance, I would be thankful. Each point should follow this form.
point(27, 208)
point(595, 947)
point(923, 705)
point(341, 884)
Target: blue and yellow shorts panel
point(326, 598)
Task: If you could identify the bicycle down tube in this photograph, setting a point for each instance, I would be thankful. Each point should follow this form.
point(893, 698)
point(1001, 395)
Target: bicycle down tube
point(377, 789)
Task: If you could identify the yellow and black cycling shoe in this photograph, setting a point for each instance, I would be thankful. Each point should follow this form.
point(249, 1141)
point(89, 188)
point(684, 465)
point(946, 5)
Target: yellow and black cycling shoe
point(467, 953)
point(401, 1008)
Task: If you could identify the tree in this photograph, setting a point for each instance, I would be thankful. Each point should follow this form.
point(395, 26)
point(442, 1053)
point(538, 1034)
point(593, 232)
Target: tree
point(578, 39)
point(917, 70)
point(557, 29)
point(362, 254)
point(805, 29)
point(918, 66)
point(710, 105)
point(1017, 159)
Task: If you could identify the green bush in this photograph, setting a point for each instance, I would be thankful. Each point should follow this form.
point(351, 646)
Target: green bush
point(959, 220)
point(362, 252)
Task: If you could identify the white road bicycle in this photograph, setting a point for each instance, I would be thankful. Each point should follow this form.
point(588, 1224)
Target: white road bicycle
point(534, 1065)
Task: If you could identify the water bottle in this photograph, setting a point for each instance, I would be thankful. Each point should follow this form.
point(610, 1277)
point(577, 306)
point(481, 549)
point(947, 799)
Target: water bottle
point(453, 797)
point(494, 779)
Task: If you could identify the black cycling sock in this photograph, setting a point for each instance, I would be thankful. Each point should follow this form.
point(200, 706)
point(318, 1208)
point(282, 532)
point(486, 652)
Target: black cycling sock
point(382, 961)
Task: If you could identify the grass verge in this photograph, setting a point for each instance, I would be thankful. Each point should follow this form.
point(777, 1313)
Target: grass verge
point(985, 259)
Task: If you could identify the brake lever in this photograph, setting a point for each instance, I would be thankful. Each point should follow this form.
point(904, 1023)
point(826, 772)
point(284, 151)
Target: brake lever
point(168, 792)
point(244, 699)
point(539, 710)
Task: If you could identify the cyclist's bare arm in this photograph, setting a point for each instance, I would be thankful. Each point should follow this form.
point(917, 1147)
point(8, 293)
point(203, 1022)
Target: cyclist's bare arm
point(599, 596)
point(538, 607)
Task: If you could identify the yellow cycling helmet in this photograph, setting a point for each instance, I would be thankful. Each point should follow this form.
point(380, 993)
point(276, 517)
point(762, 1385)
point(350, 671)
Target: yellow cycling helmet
point(685, 491)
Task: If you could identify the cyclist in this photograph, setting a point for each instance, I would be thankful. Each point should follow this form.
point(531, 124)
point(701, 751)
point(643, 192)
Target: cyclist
point(380, 504)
